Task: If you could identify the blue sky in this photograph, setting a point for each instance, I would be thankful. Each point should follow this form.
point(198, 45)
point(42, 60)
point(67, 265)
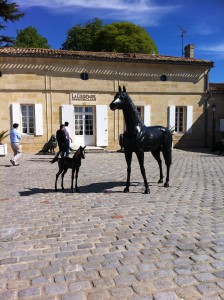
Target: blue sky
point(203, 21)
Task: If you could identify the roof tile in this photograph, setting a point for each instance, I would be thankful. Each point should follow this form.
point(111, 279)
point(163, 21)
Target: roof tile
point(88, 55)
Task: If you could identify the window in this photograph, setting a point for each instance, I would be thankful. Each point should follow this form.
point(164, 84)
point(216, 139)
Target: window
point(27, 119)
point(180, 118)
point(83, 120)
point(140, 111)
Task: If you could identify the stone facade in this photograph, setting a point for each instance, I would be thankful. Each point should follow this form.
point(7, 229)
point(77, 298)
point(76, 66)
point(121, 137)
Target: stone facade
point(50, 80)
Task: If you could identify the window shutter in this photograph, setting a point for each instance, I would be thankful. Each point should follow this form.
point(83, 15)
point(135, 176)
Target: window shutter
point(171, 116)
point(147, 115)
point(68, 115)
point(101, 125)
point(38, 119)
point(16, 114)
point(189, 119)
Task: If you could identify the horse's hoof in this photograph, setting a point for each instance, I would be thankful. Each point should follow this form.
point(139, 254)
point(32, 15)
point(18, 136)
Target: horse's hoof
point(166, 184)
point(147, 191)
point(126, 190)
point(160, 181)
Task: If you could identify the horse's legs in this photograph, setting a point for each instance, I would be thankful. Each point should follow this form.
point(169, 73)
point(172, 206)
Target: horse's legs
point(62, 177)
point(156, 155)
point(140, 156)
point(57, 175)
point(76, 180)
point(167, 154)
point(75, 171)
point(128, 157)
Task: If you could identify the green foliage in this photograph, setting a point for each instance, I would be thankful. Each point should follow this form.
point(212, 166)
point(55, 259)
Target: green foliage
point(8, 12)
point(124, 37)
point(3, 135)
point(82, 37)
point(30, 38)
point(117, 37)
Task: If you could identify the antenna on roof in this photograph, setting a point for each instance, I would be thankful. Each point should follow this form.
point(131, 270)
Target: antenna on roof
point(183, 32)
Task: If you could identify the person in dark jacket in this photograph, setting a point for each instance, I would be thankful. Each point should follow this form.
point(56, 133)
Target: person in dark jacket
point(61, 138)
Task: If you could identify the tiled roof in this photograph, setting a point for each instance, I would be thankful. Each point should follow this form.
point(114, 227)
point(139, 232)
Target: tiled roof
point(108, 56)
point(216, 87)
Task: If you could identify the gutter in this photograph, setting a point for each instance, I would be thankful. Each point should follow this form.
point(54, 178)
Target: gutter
point(209, 96)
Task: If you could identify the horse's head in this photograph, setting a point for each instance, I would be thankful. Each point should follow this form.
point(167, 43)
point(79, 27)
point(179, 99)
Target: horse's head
point(119, 99)
point(82, 151)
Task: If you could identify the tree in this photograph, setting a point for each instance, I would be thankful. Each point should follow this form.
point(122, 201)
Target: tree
point(124, 37)
point(30, 38)
point(8, 12)
point(82, 37)
point(117, 37)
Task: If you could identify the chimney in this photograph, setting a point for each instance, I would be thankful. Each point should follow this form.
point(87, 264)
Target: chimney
point(189, 51)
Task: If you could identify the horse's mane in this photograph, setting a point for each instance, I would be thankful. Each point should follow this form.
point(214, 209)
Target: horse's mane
point(77, 154)
point(134, 109)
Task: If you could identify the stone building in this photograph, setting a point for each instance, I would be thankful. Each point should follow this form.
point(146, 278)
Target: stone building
point(215, 112)
point(41, 88)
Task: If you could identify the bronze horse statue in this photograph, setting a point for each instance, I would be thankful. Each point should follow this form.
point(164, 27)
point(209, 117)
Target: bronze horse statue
point(139, 139)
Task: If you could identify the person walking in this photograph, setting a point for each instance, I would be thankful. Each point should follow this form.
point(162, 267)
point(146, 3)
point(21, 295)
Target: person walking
point(15, 137)
point(61, 138)
point(68, 138)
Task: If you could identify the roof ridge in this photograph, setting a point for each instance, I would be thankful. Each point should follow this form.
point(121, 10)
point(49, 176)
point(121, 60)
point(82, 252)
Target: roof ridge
point(113, 56)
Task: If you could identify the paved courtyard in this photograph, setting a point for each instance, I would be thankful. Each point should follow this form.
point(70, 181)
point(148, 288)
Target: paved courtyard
point(105, 244)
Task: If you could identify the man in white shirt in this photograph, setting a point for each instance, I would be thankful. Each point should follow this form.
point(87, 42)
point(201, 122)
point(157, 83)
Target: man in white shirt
point(68, 138)
point(15, 137)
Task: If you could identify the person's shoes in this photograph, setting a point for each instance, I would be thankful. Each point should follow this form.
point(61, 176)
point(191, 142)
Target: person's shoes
point(12, 162)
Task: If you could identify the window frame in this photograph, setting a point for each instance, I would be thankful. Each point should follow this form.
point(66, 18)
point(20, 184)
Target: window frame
point(180, 125)
point(29, 119)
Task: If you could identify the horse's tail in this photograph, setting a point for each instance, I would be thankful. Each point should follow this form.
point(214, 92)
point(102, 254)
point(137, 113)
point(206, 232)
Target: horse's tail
point(54, 159)
point(172, 130)
point(167, 144)
point(168, 135)
point(170, 140)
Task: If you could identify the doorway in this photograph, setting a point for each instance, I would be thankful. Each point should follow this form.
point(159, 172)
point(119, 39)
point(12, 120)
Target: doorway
point(84, 126)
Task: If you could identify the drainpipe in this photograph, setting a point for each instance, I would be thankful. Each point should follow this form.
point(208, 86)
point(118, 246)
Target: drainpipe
point(209, 95)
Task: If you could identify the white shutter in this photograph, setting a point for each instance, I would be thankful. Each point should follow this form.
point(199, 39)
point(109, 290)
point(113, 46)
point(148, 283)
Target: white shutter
point(147, 115)
point(38, 119)
point(171, 116)
point(16, 114)
point(101, 125)
point(189, 119)
point(67, 115)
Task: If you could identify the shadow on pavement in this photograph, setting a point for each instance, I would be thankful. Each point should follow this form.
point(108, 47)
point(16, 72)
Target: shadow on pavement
point(99, 187)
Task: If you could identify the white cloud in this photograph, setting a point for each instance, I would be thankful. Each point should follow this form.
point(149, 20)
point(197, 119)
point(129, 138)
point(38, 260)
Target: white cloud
point(212, 48)
point(206, 29)
point(215, 51)
point(143, 12)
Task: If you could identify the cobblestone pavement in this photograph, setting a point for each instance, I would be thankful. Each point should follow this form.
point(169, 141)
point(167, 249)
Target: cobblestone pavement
point(105, 244)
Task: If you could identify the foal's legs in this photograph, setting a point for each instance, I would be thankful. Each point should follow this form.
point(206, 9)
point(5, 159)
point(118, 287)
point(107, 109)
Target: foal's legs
point(128, 157)
point(156, 155)
point(76, 172)
point(140, 156)
point(62, 177)
point(57, 175)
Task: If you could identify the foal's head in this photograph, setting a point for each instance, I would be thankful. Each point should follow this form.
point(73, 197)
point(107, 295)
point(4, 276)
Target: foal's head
point(119, 99)
point(80, 153)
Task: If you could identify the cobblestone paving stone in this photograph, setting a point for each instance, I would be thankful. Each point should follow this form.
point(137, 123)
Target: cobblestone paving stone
point(105, 244)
